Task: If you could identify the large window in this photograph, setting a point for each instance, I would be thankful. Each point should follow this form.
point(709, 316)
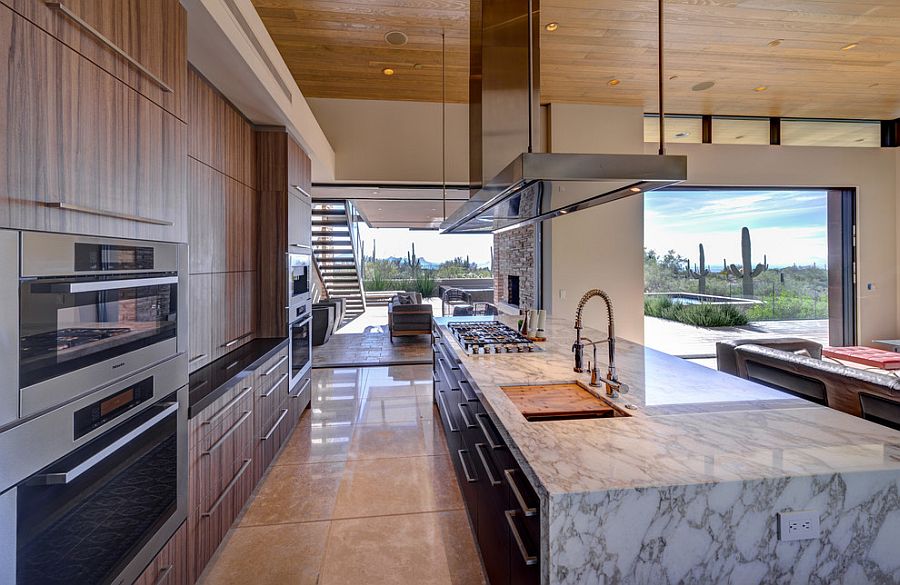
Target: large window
point(729, 263)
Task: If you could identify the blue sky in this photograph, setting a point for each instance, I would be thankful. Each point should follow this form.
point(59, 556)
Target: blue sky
point(788, 226)
point(430, 245)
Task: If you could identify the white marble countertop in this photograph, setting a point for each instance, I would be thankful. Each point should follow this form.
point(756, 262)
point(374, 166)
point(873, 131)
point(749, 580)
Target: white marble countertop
point(692, 425)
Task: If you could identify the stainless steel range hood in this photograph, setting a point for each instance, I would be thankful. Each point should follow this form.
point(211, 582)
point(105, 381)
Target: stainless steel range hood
point(540, 186)
point(504, 126)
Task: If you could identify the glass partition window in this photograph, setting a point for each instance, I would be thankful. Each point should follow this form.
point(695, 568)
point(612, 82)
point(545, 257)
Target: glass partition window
point(830, 133)
point(729, 130)
point(679, 129)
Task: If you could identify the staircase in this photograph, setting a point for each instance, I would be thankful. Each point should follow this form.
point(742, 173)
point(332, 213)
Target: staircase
point(337, 253)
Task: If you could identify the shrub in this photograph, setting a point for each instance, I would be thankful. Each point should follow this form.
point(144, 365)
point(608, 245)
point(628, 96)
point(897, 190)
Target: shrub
point(424, 283)
point(704, 315)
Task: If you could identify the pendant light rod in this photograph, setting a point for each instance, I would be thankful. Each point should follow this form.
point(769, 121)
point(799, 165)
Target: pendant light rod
point(444, 122)
point(662, 111)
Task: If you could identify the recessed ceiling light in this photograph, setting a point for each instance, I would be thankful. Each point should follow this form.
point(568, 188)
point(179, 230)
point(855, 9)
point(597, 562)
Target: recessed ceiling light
point(635, 189)
point(379, 209)
point(703, 85)
point(613, 82)
point(552, 26)
point(760, 88)
point(563, 211)
point(396, 38)
point(682, 134)
point(388, 71)
point(776, 42)
point(849, 47)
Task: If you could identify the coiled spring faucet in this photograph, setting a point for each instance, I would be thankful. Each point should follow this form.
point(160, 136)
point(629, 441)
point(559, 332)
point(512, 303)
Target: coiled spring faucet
point(613, 386)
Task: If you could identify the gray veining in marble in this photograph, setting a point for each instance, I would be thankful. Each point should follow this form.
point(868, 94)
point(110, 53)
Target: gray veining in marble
point(686, 490)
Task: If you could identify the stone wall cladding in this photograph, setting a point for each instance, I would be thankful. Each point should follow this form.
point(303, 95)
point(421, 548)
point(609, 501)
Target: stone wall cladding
point(514, 255)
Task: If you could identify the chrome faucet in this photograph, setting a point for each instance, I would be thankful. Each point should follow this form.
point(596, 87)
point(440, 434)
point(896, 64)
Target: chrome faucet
point(611, 381)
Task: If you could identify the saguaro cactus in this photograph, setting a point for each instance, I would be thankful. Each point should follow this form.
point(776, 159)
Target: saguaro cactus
point(701, 272)
point(745, 273)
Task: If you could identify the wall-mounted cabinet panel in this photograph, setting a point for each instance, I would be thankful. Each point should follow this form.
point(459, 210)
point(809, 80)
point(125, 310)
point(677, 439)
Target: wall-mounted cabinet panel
point(240, 229)
point(233, 310)
point(81, 152)
point(219, 135)
point(200, 321)
point(143, 44)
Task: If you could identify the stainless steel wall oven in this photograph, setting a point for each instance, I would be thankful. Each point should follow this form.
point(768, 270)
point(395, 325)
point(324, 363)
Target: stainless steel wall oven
point(92, 310)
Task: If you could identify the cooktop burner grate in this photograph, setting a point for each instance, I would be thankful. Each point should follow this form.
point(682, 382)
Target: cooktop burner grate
point(491, 337)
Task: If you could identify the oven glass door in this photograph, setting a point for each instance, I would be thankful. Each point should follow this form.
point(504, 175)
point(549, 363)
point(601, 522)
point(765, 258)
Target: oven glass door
point(68, 324)
point(300, 266)
point(301, 347)
point(85, 517)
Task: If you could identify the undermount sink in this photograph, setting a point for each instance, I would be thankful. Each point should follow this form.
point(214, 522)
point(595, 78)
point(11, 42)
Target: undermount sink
point(560, 401)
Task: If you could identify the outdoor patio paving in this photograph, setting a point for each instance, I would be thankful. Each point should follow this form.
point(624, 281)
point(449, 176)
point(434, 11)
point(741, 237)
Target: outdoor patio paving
point(688, 341)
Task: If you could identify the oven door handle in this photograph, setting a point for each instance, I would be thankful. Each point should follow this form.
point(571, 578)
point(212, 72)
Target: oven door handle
point(102, 285)
point(65, 477)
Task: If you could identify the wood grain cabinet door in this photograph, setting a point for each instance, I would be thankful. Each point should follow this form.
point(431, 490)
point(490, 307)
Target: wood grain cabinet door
point(143, 43)
point(200, 325)
point(80, 152)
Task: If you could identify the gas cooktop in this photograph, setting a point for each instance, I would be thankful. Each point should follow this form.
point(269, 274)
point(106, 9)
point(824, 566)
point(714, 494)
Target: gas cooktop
point(491, 337)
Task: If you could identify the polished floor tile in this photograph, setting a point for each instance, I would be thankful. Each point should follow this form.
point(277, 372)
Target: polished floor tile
point(397, 486)
point(269, 555)
point(296, 493)
point(420, 549)
point(365, 487)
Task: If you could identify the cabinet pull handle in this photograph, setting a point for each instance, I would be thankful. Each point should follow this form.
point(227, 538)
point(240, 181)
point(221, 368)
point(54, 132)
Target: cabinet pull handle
point(443, 409)
point(112, 46)
point(304, 246)
point(529, 559)
point(235, 340)
point(305, 386)
point(479, 447)
point(465, 419)
point(106, 213)
point(164, 574)
point(275, 426)
point(469, 477)
point(227, 489)
point(462, 385)
point(228, 406)
point(274, 386)
point(275, 367)
point(302, 190)
point(526, 510)
point(487, 435)
point(228, 433)
point(197, 358)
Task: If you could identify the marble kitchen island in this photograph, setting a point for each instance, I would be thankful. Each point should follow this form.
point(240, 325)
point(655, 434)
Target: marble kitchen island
point(686, 489)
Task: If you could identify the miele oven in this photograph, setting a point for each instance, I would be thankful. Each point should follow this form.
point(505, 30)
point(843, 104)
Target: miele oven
point(95, 488)
point(92, 311)
point(300, 332)
point(299, 279)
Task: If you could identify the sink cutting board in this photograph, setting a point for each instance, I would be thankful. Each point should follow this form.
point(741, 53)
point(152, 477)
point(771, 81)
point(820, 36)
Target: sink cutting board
point(557, 400)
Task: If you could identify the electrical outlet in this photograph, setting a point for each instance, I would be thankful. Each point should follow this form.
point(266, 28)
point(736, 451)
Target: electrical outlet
point(800, 525)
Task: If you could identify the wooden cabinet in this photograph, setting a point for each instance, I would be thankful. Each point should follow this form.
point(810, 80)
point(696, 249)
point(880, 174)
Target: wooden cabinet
point(200, 321)
point(143, 44)
point(171, 566)
point(285, 216)
point(222, 215)
point(81, 152)
point(232, 442)
point(233, 307)
point(503, 508)
point(220, 136)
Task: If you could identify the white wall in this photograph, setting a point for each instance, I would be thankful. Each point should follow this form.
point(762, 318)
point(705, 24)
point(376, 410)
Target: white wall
point(393, 141)
point(873, 172)
point(601, 247)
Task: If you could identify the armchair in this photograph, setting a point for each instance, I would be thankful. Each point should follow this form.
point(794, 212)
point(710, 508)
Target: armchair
point(409, 318)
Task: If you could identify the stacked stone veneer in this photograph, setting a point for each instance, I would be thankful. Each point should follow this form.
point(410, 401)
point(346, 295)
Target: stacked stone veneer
point(514, 255)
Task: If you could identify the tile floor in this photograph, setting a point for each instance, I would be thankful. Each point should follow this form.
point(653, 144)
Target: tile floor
point(362, 493)
point(371, 348)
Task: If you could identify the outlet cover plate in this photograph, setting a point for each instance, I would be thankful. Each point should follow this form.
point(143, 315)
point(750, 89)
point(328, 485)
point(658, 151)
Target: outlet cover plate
point(798, 525)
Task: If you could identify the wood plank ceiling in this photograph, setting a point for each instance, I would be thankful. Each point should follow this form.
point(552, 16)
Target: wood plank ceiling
point(796, 49)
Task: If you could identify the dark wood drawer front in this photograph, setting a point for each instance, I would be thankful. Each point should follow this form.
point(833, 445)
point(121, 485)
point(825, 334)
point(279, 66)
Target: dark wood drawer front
point(171, 565)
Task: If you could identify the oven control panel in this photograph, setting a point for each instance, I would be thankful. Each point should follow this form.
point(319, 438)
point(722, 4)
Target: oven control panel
point(101, 412)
